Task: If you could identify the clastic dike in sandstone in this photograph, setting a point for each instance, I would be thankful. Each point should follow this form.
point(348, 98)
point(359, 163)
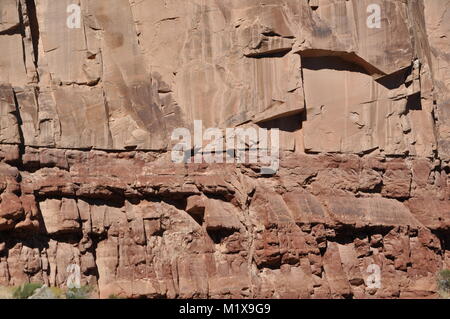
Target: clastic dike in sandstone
point(363, 107)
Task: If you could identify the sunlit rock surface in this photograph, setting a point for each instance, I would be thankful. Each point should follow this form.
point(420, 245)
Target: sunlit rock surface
point(86, 176)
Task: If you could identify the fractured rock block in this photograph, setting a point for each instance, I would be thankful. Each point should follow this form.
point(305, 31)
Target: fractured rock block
point(432, 213)
point(60, 216)
point(221, 216)
point(9, 126)
point(305, 207)
point(370, 211)
point(334, 271)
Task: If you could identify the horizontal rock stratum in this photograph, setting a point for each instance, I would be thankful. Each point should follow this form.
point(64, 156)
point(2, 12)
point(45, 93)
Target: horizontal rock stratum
point(87, 113)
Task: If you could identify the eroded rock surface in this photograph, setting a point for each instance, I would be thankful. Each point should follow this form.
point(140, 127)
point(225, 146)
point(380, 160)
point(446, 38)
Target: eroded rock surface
point(86, 176)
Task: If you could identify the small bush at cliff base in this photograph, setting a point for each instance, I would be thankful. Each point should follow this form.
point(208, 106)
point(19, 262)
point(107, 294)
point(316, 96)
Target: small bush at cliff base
point(444, 282)
point(58, 292)
point(26, 290)
point(79, 293)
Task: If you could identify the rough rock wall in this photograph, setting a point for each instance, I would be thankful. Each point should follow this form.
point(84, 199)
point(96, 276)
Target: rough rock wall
point(86, 116)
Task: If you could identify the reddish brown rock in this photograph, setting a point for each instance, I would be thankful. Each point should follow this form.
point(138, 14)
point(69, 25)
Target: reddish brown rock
point(370, 211)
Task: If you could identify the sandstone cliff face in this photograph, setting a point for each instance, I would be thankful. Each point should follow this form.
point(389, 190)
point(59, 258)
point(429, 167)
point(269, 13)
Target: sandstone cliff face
point(86, 177)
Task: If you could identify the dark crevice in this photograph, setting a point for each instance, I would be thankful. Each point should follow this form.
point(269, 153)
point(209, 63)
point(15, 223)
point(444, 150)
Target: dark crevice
point(286, 123)
point(36, 241)
point(219, 234)
point(271, 33)
point(198, 215)
point(34, 29)
point(346, 234)
point(444, 237)
point(19, 127)
point(16, 29)
point(224, 197)
point(275, 53)
point(395, 80)
point(414, 102)
point(315, 59)
point(68, 237)
point(22, 25)
point(114, 201)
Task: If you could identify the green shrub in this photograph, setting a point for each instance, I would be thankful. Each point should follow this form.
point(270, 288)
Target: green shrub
point(79, 293)
point(58, 292)
point(443, 282)
point(26, 290)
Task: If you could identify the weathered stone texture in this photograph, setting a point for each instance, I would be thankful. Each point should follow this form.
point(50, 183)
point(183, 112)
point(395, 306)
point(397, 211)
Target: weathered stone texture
point(86, 117)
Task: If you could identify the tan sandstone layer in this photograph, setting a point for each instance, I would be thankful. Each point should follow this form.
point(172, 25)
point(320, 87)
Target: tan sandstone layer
point(86, 116)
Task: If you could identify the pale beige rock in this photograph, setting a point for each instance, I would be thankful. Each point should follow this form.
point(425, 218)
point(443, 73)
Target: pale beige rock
point(9, 128)
point(357, 114)
point(60, 215)
point(133, 85)
point(438, 28)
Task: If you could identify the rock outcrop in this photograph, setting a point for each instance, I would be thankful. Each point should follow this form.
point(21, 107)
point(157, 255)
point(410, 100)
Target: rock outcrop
point(86, 119)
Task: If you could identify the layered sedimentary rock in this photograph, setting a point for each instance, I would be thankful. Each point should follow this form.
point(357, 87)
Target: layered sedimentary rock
point(86, 118)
